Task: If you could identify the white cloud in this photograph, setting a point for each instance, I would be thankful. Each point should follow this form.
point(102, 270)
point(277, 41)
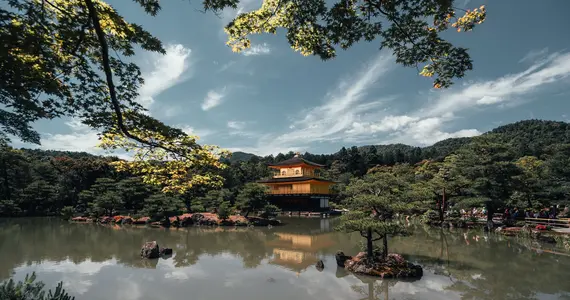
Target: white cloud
point(229, 14)
point(350, 115)
point(554, 68)
point(237, 125)
point(428, 131)
point(344, 105)
point(204, 132)
point(82, 138)
point(213, 98)
point(257, 50)
point(227, 65)
point(534, 54)
point(512, 89)
point(167, 71)
point(329, 121)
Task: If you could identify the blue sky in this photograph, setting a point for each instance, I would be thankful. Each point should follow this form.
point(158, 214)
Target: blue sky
point(271, 99)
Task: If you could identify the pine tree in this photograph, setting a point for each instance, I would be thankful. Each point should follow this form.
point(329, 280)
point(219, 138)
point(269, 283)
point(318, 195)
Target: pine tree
point(373, 201)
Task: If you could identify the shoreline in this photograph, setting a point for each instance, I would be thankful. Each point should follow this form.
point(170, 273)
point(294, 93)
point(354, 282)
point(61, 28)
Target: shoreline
point(180, 221)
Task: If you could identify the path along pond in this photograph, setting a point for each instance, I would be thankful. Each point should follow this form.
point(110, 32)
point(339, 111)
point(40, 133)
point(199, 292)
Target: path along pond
point(102, 262)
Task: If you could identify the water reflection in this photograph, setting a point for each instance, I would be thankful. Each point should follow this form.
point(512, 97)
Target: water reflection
point(99, 262)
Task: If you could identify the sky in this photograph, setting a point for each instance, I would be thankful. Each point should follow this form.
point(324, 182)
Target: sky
point(270, 99)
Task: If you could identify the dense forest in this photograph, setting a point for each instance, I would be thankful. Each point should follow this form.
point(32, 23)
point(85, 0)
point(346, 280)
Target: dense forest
point(524, 164)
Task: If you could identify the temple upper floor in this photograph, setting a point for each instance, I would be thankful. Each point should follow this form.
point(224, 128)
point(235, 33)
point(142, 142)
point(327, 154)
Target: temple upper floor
point(295, 167)
point(296, 172)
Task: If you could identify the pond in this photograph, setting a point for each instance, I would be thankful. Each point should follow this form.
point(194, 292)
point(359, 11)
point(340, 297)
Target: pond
point(102, 262)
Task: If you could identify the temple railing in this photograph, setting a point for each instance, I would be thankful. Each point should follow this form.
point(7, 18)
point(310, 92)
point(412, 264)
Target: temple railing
point(297, 191)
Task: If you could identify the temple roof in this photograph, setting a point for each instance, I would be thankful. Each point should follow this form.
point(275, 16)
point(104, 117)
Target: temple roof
point(296, 160)
point(292, 179)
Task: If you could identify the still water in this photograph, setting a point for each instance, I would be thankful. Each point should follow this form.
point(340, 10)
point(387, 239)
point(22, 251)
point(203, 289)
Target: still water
point(99, 262)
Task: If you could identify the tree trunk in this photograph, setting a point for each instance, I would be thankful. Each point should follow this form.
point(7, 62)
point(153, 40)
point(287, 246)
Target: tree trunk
point(369, 245)
point(442, 214)
point(6, 183)
point(490, 213)
point(385, 249)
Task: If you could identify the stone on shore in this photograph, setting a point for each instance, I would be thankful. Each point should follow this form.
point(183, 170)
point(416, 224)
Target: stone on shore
point(141, 221)
point(395, 266)
point(184, 220)
point(150, 250)
point(341, 258)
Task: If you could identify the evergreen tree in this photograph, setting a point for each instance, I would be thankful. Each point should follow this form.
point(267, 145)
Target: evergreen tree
point(252, 197)
point(373, 201)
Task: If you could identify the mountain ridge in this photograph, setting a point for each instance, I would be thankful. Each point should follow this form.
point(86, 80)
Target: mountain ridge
point(518, 131)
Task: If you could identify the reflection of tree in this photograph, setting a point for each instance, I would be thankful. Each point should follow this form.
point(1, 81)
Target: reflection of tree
point(374, 290)
point(480, 267)
point(486, 267)
point(33, 240)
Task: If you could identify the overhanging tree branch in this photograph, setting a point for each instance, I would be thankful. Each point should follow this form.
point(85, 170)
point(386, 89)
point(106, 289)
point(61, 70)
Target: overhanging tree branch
point(109, 78)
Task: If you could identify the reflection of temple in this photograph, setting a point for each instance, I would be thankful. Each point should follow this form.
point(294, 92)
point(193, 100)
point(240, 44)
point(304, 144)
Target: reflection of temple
point(298, 251)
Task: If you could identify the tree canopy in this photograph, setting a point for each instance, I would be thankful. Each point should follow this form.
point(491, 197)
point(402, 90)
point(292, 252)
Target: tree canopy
point(412, 29)
point(533, 155)
point(65, 58)
point(68, 58)
point(374, 200)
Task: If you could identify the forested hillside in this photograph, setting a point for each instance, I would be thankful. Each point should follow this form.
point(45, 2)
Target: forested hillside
point(37, 182)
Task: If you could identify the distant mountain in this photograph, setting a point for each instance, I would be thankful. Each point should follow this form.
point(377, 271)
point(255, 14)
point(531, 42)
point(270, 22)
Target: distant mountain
point(241, 156)
point(528, 137)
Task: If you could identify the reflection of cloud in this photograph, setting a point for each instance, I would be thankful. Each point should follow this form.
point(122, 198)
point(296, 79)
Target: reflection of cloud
point(76, 277)
point(130, 290)
point(184, 273)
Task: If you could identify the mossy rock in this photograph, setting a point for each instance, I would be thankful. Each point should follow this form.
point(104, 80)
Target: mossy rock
point(395, 266)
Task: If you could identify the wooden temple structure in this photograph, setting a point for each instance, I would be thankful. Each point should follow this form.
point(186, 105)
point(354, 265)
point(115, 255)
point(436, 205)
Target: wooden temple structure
point(296, 186)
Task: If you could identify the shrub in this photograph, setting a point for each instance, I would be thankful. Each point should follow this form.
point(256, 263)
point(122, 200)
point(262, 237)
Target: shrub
point(196, 208)
point(473, 219)
point(67, 212)
point(430, 217)
point(270, 210)
point(224, 210)
point(30, 290)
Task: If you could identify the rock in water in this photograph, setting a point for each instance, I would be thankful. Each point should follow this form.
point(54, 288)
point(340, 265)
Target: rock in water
point(320, 265)
point(341, 258)
point(395, 266)
point(150, 250)
point(165, 251)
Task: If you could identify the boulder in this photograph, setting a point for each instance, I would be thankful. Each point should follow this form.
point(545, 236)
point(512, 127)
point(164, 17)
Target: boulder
point(341, 258)
point(165, 222)
point(141, 221)
point(257, 221)
point(165, 251)
point(105, 220)
point(197, 218)
point(320, 265)
point(543, 238)
point(150, 250)
point(395, 266)
point(185, 220)
point(127, 220)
